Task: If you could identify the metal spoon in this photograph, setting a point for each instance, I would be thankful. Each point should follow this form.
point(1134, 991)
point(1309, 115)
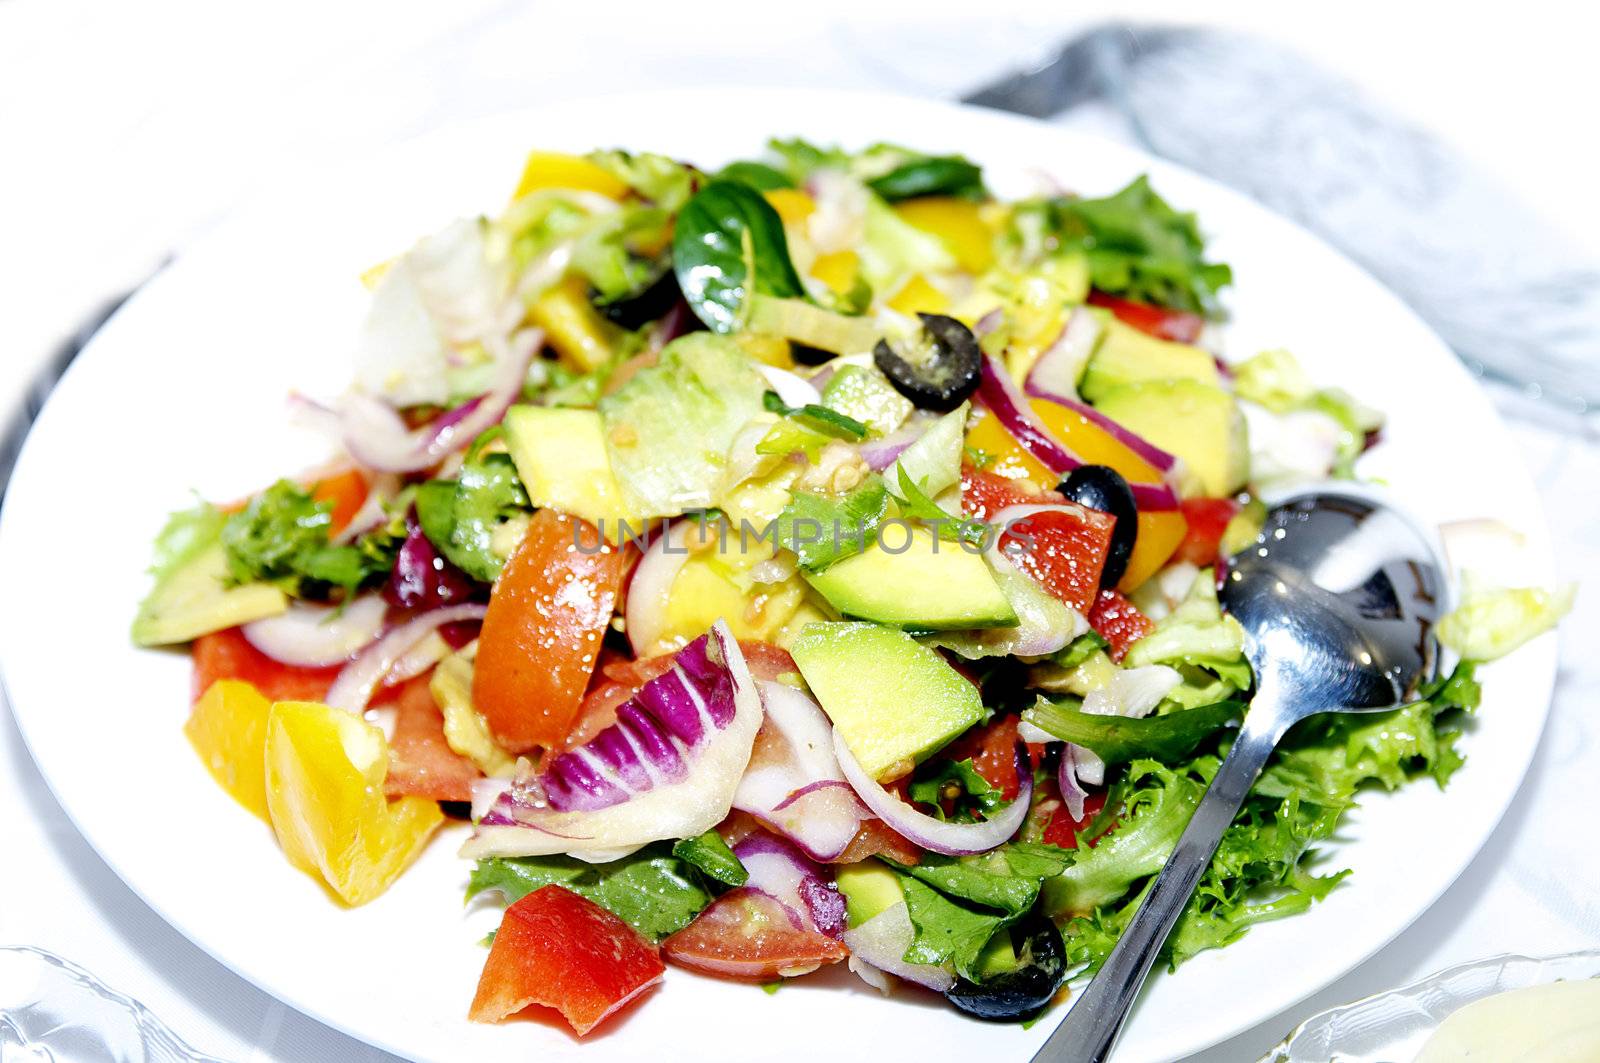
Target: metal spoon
point(1338, 597)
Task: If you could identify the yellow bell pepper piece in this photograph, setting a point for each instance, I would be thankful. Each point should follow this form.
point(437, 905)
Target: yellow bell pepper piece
point(552, 169)
point(1159, 533)
point(837, 270)
point(768, 350)
point(917, 296)
point(228, 728)
point(572, 325)
point(792, 205)
point(959, 225)
point(324, 780)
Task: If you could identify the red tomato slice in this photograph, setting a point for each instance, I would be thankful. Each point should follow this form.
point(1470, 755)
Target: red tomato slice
point(1064, 550)
point(748, 934)
point(541, 637)
point(1063, 829)
point(992, 748)
point(227, 654)
point(1208, 518)
point(984, 494)
point(345, 492)
point(421, 762)
point(563, 951)
point(1180, 326)
point(874, 838)
point(1119, 622)
point(767, 661)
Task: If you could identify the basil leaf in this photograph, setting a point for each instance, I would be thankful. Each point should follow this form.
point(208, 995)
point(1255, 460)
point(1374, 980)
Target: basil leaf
point(958, 782)
point(728, 246)
point(711, 855)
point(931, 175)
point(757, 175)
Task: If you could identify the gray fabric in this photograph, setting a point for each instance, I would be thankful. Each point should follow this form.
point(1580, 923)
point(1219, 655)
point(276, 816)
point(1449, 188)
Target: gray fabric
point(1514, 298)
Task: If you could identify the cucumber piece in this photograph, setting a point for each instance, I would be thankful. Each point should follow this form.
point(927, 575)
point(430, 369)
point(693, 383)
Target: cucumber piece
point(1202, 425)
point(561, 460)
point(930, 585)
point(194, 599)
point(1127, 356)
point(892, 700)
point(866, 395)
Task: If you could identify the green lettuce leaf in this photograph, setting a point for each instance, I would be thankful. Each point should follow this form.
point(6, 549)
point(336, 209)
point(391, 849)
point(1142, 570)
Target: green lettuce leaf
point(462, 516)
point(1006, 879)
point(1137, 246)
point(1490, 622)
point(669, 428)
point(958, 782)
point(1118, 739)
point(187, 534)
point(665, 182)
point(949, 933)
point(282, 537)
point(1196, 633)
point(653, 891)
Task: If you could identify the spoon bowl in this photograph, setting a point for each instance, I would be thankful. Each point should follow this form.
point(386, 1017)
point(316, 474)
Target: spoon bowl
point(1338, 598)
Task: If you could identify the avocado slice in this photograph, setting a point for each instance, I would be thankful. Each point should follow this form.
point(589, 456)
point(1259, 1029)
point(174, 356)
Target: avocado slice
point(1127, 356)
point(868, 888)
point(194, 599)
point(892, 700)
point(863, 393)
point(930, 585)
point(561, 459)
point(1202, 425)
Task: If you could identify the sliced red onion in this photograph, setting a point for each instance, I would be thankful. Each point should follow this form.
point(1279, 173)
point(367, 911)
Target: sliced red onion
point(936, 835)
point(372, 513)
point(353, 686)
point(421, 577)
point(784, 873)
point(999, 393)
point(1072, 792)
point(378, 439)
point(988, 323)
point(650, 586)
point(668, 767)
point(1057, 370)
point(1147, 450)
point(881, 943)
point(793, 390)
point(315, 636)
point(418, 659)
point(879, 454)
point(793, 783)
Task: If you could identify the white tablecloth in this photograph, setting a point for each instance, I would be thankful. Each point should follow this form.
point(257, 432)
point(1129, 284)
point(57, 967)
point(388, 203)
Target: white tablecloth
point(128, 128)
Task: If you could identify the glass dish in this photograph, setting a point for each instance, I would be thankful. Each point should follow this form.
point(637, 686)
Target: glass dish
point(1392, 1027)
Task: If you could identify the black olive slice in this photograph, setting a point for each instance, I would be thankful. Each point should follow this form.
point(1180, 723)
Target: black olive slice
point(1103, 488)
point(938, 369)
point(649, 301)
point(1018, 995)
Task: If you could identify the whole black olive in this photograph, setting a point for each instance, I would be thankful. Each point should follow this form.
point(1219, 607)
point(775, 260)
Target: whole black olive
point(1103, 488)
point(938, 370)
point(1018, 995)
point(644, 304)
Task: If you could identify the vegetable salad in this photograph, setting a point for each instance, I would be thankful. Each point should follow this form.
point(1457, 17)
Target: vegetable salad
point(810, 561)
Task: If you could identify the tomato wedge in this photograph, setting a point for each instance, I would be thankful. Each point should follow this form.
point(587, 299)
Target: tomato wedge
point(874, 838)
point(421, 762)
point(1208, 519)
point(345, 492)
point(749, 934)
point(992, 748)
point(1180, 326)
point(227, 654)
point(1062, 830)
point(1064, 550)
point(1119, 622)
point(563, 951)
point(541, 636)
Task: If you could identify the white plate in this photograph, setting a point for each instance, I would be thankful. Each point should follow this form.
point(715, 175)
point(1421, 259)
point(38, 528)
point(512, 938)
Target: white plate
point(184, 390)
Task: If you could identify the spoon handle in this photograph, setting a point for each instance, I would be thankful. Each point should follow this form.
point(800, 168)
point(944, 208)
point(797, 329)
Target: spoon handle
point(1091, 1027)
